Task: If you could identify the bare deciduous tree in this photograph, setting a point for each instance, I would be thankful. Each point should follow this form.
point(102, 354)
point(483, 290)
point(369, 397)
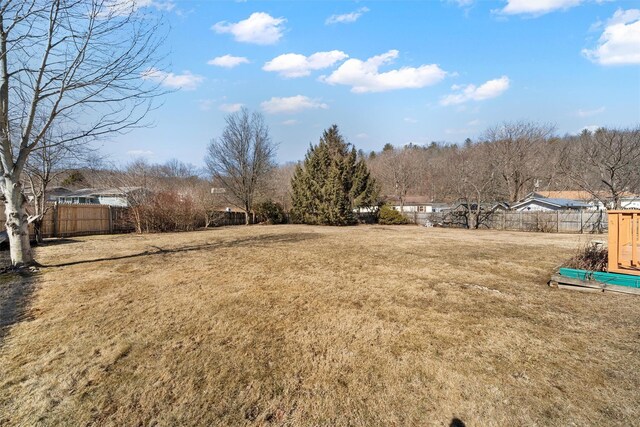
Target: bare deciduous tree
point(473, 182)
point(279, 185)
point(516, 154)
point(400, 170)
point(605, 163)
point(242, 158)
point(48, 161)
point(77, 62)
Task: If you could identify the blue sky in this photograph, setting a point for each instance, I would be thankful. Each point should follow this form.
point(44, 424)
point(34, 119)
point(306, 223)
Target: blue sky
point(389, 71)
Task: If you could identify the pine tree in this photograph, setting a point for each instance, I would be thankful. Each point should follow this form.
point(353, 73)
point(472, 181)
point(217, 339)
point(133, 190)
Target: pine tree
point(331, 182)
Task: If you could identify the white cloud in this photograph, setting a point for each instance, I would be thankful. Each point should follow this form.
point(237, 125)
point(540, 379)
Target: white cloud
point(537, 7)
point(290, 122)
point(230, 108)
point(589, 113)
point(619, 43)
point(259, 28)
point(475, 122)
point(362, 136)
point(410, 120)
point(186, 80)
point(228, 61)
point(487, 90)
point(166, 6)
point(346, 18)
point(363, 76)
point(290, 105)
point(293, 65)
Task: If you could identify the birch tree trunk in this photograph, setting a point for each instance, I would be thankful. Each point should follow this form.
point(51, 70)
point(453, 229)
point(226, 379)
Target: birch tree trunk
point(16, 223)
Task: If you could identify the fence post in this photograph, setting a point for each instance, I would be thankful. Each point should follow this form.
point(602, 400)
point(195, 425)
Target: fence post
point(557, 221)
point(110, 220)
point(581, 225)
point(55, 219)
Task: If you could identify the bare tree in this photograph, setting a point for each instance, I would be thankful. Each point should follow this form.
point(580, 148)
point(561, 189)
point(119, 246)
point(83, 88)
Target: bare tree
point(48, 161)
point(400, 170)
point(242, 158)
point(516, 153)
point(78, 62)
point(605, 163)
point(279, 185)
point(473, 182)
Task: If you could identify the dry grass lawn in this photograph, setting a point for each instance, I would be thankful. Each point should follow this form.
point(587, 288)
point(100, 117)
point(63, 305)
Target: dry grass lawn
point(315, 326)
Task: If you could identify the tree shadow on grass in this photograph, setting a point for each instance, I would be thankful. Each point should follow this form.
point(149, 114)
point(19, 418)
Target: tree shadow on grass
point(261, 241)
point(55, 241)
point(16, 294)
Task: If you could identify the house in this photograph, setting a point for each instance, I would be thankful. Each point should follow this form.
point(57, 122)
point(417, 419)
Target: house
point(421, 204)
point(485, 208)
point(537, 202)
point(627, 201)
point(52, 193)
point(501, 206)
point(630, 202)
point(109, 196)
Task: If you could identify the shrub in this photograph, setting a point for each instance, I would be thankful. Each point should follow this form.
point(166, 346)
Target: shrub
point(390, 216)
point(271, 212)
point(165, 211)
point(592, 257)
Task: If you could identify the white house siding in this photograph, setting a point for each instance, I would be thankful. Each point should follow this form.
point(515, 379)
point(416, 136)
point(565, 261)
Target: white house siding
point(113, 201)
point(414, 208)
point(630, 204)
point(536, 207)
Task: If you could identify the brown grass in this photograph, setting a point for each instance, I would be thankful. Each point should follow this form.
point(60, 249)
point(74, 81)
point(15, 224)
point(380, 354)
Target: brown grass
point(302, 326)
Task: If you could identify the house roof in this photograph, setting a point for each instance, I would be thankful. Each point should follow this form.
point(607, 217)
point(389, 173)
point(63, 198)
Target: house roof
point(58, 191)
point(95, 192)
point(556, 202)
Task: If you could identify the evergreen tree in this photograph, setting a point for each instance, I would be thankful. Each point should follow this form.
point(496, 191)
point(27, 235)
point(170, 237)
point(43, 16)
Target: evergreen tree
point(331, 183)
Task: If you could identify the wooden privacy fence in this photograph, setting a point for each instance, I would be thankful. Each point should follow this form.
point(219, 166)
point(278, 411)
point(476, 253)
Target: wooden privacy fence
point(221, 218)
point(624, 242)
point(549, 222)
point(66, 220)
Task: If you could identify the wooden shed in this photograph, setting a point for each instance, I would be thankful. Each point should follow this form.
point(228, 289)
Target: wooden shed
point(624, 242)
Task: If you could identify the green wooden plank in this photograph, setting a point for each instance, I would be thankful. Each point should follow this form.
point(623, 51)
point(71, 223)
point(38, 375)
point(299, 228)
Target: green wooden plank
point(603, 277)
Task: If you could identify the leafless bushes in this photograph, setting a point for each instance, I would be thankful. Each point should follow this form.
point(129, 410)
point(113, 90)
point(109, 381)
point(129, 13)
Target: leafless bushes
point(164, 197)
point(167, 211)
point(592, 257)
